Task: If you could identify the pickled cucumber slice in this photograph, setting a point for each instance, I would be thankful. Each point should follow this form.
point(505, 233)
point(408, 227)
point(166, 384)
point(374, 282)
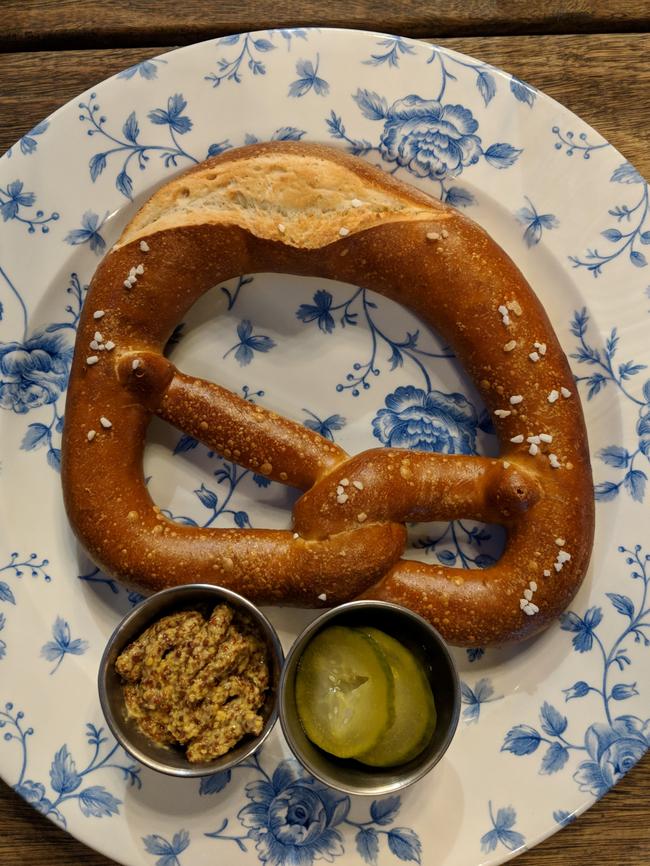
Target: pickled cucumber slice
point(415, 711)
point(344, 692)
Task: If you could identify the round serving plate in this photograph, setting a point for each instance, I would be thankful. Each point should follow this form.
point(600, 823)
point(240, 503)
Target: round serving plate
point(546, 727)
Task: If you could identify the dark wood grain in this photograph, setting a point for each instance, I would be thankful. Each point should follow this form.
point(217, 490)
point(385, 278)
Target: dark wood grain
point(600, 77)
point(41, 24)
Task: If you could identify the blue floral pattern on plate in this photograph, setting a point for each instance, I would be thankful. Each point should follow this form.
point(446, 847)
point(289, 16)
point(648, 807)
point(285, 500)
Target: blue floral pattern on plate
point(360, 371)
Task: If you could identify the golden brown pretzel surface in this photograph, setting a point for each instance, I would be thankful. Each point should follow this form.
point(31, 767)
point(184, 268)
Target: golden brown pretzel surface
point(310, 210)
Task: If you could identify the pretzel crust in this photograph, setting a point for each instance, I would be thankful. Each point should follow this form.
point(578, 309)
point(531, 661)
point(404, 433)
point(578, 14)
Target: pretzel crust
point(279, 207)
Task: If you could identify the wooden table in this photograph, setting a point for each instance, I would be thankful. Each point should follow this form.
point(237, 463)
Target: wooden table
point(52, 50)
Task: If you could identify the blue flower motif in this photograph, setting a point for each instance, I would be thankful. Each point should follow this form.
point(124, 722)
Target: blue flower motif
point(167, 852)
point(583, 629)
point(502, 832)
point(292, 818)
point(614, 749)
point(535, 223)
point(308, 79)
point(427, 421)
point(89, 233)
point(429, 138)
point(174, 116)
point(324, 427)
point(249, 343)
point(34, 794)
point(33, 373)
point(16, 199)
point(319, 311)
point(62, 645)
point(146, 69)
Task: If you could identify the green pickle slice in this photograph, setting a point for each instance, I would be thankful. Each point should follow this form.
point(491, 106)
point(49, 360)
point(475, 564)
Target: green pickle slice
point(344, 692)
point(415, 711)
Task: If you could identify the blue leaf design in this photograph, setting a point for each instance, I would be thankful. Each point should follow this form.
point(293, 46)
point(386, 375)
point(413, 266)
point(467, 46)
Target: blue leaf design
point(97, 802)
point(486, 85)
point(261, 481)
point(623, 691)
point(54, 458)
point(638, 259)
point(36, 435)
point(124, 184)
point(215, 783)
point(553, 722)
point(367, 843)
point(185, 443)
point(288, 133)
point(613, 455)
point(97, 165)
point(612, 235)
point(522, 91)
point(219, 147)
point(635, 482)
point(622, 603)
point(502, 155)
point(206, 497)
point(404, 843)
point(372, 105)
point(459, 197)
point(555, 758)
point(605, 491)
point(6, 594)
point(626, 173)
point(629, 369)
point(521, 740)
point(263, 45)
point(63, 773)
point(241, 519)
point(563, 817)
point(131, 130)
point(385, 811)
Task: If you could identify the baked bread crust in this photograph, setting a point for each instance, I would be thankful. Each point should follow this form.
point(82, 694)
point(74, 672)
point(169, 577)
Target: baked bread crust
point(290, 207)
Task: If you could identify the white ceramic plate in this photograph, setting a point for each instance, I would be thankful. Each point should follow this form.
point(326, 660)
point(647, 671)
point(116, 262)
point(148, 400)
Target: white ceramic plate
point(546, 728)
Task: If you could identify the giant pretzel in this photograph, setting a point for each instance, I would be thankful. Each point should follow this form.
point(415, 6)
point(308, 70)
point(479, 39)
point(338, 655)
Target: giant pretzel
point(305, 209)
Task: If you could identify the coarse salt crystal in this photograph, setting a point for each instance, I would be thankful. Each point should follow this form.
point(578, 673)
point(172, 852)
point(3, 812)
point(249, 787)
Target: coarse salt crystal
point(518, 439)
point(502, 413)
point(139, 269)
point(533, 449)
point(362, 516)
point(547, 573)
point(433, 236)
point(505, 464)
point(344, 232)
point(132, 275)
point(93, 359)
point(560, 542)
point(565, 392)
point(523, 603)
point(282, 228)
point(358, 485)
point(535, 439)
point(110, 345)
point(99, 337)
point(553, 395)
point(533, 586)
point(105, 422)
point(512, 344)
point(128, 284)
point(356, 202)
point(552, 459)
point(557, 566)
point(444, 233)
point(295, 535)
point(516, 398)
point(98, 314)
point(340, 490)
point(323, 596)
point(94, 345)
point(546, 437)
point(345, 482)
point(534, 357)
point(541, 347)
point(144, 246)
point(503, 310)
point(136, 363)
point(528, 594)
point(563, 556)
point(342, 498)
point(531, 609)
point(90, 435)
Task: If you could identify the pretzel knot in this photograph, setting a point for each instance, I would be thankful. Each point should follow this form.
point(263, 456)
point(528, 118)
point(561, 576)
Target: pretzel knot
point(304, 209)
